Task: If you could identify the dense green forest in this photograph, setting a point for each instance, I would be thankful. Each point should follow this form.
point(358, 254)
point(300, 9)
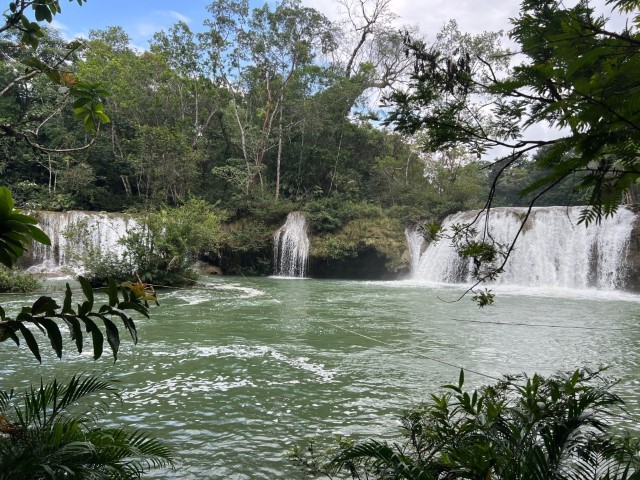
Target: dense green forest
point(212, 138)
point(259, 113)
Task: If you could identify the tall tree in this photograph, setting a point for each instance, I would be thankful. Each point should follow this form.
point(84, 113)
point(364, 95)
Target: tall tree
point(256, 55)
point(576, 76)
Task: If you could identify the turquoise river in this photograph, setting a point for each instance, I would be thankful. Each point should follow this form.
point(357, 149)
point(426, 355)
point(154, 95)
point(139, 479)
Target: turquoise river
point(236, 372)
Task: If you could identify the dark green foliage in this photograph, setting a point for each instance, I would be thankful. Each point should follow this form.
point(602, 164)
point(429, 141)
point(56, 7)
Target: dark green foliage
point(483, 297)
point(513, 181)
point(44, 435)
point(328, 214)
point(577, 76)
point(17, 282)
point(536, 428)
point(349, 229)
point(16, 230)
point(43, 10)
point(170, 240)
point(45, 314)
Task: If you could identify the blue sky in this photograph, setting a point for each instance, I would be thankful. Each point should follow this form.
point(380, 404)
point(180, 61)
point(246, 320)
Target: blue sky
point(141, 18)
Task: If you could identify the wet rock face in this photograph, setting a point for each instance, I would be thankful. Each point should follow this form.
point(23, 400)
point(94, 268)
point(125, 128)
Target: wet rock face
point(369, 264)
point(632, 271)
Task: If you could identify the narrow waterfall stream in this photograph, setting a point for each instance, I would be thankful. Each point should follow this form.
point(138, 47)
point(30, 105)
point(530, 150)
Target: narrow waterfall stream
point(552, 251)
point(291, 247)
point(417, 245)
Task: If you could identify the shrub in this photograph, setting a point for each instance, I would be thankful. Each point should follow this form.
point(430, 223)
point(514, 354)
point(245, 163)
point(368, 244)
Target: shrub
point(17, 282)
point(42, 437)
point(520, 428)
point(169, 242)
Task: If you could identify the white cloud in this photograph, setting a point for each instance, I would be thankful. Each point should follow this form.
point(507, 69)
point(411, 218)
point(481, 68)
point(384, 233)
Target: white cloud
point(66, 32)
point(147, 29)
point(59, 26)
point(178, 16)
point(172, 14)
point(473, 16)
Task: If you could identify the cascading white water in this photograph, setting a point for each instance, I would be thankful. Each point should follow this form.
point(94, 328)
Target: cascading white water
point(291, 247)
point(417, 245)
point(552, 251)
point(74, 233)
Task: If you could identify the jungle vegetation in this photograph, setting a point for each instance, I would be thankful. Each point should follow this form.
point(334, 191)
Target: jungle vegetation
point(263, 112)
point(260, 112)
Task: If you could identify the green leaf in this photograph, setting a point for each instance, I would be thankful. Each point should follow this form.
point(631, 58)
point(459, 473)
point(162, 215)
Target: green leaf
point(53, 332)
point(102, 117)
point(55, 76)
point(127, 320)
point(80, 103)
point(113, 336)
point(6, 203)
point(66, 306)
point(5, 258)
point(84, 308)
point(27, 219)
point(38, 235)
point(10, 225)
point(87, 290)
point(96, 334)
point(14, 337)
point(76, 331)
point(134, 306)
point(112, 291)
point(42, 13)
point(46, 305)
point(31, 341)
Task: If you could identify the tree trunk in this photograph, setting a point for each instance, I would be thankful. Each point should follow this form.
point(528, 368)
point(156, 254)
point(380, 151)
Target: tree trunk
point(279, 151)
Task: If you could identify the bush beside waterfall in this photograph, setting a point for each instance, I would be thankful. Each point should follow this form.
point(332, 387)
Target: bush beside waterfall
point(17, 282)
point(162, 248)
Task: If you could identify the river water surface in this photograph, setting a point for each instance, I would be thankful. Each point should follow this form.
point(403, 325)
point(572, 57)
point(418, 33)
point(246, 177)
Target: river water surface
point(233, 374)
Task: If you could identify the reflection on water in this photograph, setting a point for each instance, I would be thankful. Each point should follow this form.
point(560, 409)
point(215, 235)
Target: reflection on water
point(234, 373)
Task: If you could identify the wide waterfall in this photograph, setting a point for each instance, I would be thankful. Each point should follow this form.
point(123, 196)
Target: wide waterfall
point(552, 251)
point(291, 247)
point(74, 234)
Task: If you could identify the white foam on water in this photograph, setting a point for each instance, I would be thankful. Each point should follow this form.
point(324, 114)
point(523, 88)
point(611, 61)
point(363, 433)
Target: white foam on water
point(245, 351)
point(520, 290)
point(180, 386)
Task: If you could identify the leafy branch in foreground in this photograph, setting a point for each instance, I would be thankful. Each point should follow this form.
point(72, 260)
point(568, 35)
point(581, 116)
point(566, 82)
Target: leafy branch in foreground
point(576, 76)
point(45, 313)
point(89, 97)
point(16, 230)
point(573, 74)
point(536, 428)
point(41, 438)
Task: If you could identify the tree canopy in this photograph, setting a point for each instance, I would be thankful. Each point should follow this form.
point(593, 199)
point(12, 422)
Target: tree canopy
point(570, 73)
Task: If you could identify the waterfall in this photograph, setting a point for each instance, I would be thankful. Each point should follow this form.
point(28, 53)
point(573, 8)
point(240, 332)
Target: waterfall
point(75, 233)
point(417, 245)
point(291, 247)
point(552, 251)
